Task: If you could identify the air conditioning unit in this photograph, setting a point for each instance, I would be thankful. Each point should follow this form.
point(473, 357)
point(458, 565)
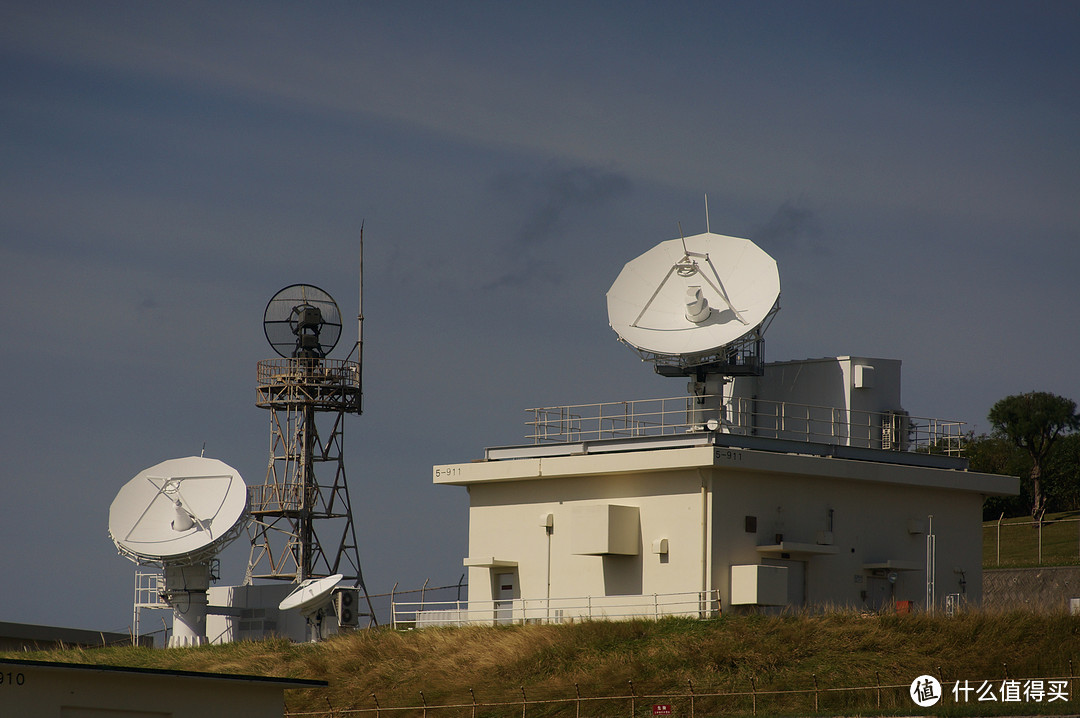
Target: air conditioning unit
point(345, 606)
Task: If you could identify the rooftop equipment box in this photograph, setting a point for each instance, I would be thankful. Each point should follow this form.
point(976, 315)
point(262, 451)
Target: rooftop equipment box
point(600, 529)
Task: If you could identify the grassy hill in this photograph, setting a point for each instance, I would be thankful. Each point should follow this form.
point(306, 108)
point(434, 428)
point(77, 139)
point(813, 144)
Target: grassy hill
point(769, 662)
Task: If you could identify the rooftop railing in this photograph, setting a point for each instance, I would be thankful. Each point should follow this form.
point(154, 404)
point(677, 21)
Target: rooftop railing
point(889, 431)
point(695, 604)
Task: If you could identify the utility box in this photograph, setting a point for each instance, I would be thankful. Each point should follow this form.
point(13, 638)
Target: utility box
point(757, 585)
point(605, 529)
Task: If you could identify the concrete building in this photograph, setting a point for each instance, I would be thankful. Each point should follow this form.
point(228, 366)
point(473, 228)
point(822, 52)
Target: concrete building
point(807, 486)
point(69, 690)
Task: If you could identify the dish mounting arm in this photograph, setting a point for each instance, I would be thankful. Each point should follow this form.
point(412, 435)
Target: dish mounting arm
point(688, 267)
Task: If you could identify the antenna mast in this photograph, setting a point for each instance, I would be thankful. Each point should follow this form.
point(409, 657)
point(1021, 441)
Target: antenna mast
point(302, 524)
point(360, 324)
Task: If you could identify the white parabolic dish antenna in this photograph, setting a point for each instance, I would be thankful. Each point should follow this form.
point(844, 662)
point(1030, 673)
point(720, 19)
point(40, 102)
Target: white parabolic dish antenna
point(311, 595)
point(178, 511)
point(692, 296)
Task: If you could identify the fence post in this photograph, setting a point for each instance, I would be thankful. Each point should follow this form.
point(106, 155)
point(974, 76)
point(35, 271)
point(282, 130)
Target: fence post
point(691, 684)
point(377, 709)
point(473, 696)
point(524, 702)
point(1040, 523)
point(753, 694)
point(577, 702)
point(815, 693)
point(633, 699)
point(999, 537)
point(877, 679)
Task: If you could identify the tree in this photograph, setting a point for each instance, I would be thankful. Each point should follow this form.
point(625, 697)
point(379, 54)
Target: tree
point(1033, 422)
point(997, 455)
point(1063, 464)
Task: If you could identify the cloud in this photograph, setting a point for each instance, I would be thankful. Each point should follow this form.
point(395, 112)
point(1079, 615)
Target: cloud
point(555, 192)
point(545, 203)
point(793, 227)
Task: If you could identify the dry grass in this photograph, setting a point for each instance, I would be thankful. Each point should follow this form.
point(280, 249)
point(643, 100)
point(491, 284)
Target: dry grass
point(839, 649)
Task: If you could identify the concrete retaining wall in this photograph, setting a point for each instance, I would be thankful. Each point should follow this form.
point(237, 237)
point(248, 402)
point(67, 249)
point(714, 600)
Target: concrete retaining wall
point(1043, 589)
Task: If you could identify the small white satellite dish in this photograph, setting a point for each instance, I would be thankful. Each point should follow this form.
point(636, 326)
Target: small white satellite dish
point(694, 295)
point(178, 511)
point(311, 595)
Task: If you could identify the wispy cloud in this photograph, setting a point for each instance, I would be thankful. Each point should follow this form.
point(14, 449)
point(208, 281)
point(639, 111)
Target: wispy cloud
point(794, 226)
point(546, 202)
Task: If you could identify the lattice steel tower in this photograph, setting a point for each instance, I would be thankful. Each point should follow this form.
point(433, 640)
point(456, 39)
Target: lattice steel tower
point(302, 523)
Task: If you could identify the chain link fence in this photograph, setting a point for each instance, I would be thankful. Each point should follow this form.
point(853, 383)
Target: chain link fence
point(1011, 543)
point(1052, 693)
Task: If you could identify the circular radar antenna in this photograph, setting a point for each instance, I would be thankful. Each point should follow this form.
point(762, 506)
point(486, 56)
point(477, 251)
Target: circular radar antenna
point(302, 321)
point(696, 300)
point(180, 511)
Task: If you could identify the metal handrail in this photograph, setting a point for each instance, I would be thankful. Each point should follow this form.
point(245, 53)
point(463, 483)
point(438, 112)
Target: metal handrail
point(891, 431)
point(415, 614)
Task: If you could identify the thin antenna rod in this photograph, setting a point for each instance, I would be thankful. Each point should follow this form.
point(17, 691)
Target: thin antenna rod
point(360, 312)
point(684, 249)
point(707, 213)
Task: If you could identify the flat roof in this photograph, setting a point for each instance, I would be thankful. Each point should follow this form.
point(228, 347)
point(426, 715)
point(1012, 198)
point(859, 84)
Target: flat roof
point(713, 438)
point(168, 673)
point(722, 452)
point(56, 634)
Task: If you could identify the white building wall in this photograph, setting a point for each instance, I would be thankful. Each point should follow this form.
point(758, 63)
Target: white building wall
point(505, 524)
point(254, 615)
point(851, 390)
point(873, 524)
point(878, 524)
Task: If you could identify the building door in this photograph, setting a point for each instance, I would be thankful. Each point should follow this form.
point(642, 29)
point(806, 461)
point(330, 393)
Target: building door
point(796, 578)
point(505, 593)
point(878, 593)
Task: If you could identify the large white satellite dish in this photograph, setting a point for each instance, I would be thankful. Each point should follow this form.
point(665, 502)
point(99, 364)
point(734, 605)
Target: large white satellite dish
point(693, 296)
point(178, 511)
point(179, 515)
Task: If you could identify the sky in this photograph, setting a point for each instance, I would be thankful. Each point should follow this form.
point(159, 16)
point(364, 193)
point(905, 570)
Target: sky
point(165, 168)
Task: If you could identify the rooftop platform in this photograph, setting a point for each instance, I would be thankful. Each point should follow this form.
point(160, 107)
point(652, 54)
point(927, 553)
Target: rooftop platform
point(783, 427)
